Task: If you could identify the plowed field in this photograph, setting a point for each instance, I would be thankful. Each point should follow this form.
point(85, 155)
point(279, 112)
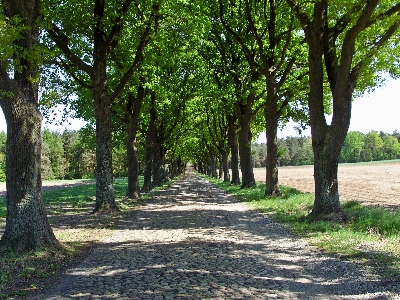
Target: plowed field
point(369, 183)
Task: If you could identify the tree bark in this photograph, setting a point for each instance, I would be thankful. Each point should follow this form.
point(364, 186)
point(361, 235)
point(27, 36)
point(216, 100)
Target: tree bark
point(244, 111)
point(148, 163)
point(272, 163)
point(232, 141)
point(157, 164)
point(213, 165)
point(271, 119)
point(105, 198)
point(246, 162)
point(224, 162)
point(134, 104)
point(149, 154)
point(325, 167)
point(326, 157)
point(27, 227)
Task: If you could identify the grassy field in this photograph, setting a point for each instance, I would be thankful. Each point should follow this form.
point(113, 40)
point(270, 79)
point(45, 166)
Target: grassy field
point(368, 235)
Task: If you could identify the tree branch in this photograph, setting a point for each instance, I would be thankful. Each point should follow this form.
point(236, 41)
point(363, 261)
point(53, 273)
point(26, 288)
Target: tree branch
point(144, 40)
point(248, 54)
point(255, 31)
point(285, 73)
point(67, 68)
point(390, 12)
point(347, 50)
point(286, 46)
point(117, 28)
point(61, 41)
point(302, 16)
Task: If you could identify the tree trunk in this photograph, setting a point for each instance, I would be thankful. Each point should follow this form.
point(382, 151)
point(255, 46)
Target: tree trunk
point(325, 167)
point(224, 163)
point(157, 164)
point(245, 114)
point(27, 227)
point(213, 166)
point(135, 104)
point(133, 190)
point(232, 142)
point(325, 176)
point(164, 168)
point(201, 167)
point(271, 119)
point(246, 162)
point(105, 198)
point(148, 168)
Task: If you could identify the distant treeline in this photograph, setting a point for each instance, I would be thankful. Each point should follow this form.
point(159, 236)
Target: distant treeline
point(358, 147)
point(68, 155)
point(71, 154)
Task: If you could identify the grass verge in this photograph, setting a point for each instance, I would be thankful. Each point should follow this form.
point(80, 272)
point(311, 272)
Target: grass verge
point(69, 210)
point(369, 236)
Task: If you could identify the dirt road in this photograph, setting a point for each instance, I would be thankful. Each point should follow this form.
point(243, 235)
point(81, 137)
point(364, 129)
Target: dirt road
point(192, 241)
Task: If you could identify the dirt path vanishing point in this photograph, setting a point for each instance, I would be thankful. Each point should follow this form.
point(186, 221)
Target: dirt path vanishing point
point(194, 242)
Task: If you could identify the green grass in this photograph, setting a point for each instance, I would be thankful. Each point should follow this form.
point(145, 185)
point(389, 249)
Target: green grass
point(76, 196)
point(368, 235)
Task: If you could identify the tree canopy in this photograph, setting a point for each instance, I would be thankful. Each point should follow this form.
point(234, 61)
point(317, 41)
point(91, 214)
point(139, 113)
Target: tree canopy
point(167, 82)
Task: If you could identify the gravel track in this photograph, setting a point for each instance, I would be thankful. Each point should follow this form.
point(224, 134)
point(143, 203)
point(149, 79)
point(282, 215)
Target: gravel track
point(192, 241)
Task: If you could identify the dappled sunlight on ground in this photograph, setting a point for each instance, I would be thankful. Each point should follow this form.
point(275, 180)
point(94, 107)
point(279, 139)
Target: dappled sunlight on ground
point(194, 242)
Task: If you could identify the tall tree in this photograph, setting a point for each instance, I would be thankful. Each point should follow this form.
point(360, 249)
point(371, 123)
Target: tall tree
point(271, 47)
point(352, 147)
point(27, 226)
point(219, 87)
point(343, 39)
point(133, 111)
point(373, 145)
point(247, 92)
point(232, 143)
point(87, 41)
point(391, 147)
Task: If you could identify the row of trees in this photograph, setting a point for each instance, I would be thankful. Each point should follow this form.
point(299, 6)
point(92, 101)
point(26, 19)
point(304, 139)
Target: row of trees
point(371, 146)
point(357, 147)
point(71, 155)
point(67, 155)
point(194, 80)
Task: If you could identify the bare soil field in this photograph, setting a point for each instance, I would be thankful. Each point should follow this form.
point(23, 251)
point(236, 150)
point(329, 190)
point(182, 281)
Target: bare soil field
point(373, 184)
